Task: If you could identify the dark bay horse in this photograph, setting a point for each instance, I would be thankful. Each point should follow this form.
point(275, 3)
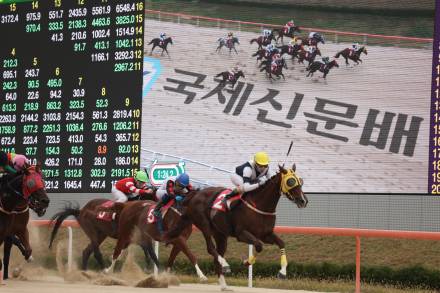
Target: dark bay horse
point(309, 57)
point(281, 33)
point(324, 68)
point(18, 193)
point(140, 214)
point(230, 44)
point(161, 44)
point(290, 50)
point(227, 77)
point(348, 53)
point(263, 54)
point(98, 221)
point(263, 41)
point(274, 70)
point(251, 219)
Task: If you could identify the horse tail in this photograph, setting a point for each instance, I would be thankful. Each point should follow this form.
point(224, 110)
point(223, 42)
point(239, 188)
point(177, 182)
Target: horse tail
point(177, 230)
point(253, 41)
point(220, 74)
point(151, 42)
point(338, 54)
point(58, 218)
point(255, 54)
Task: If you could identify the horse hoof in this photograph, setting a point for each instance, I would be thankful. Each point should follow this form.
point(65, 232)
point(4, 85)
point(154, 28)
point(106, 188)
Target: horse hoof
point(106, 271)
point(281, 276)
point(227, 289)
point(30, 259)
point(226, 270)
point(16, 272)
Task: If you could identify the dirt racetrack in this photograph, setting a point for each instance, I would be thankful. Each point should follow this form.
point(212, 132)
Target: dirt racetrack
point(56, 286)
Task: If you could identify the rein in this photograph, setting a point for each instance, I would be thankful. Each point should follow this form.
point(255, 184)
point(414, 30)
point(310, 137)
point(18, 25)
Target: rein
point(257, 210)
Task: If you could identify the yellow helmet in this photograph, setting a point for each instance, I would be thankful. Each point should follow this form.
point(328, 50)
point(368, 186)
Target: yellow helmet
point(261, 158)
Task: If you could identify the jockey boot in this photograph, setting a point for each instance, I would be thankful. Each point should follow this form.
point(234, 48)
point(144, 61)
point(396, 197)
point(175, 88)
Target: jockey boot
point(158, 214)
point(229, 195)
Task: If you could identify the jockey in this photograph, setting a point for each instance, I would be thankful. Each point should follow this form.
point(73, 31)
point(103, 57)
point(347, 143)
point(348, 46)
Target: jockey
point(172, 188)
point(288, 26)
point(162, 37)
point(355, 47)
point(310, 51)
point(326, 60)
point(250, 175)
point(269, 49)
point(275, 61)
point(12, 163)
point(131, 187)
point(234, 70)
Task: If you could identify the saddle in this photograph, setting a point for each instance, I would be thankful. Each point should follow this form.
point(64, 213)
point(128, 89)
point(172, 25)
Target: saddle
point(218, 204)
point(106, 211)
point(151, 218)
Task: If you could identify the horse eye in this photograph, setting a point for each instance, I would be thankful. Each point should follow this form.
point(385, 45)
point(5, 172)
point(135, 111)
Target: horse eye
point(291, 182)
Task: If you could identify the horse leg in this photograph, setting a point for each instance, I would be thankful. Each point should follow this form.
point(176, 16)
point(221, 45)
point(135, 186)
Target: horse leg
point(123, 242)
point(235, 50)
point(1, 273)
point(23, 236)
point(152, 49)
point(249, 238)
point(6, 256)
point(207, 234)
point(168, 54)
point(274, 239)
point(149, 251)
point(346, 61)
point(181, 243)
point(173, 254)
point(222, 243)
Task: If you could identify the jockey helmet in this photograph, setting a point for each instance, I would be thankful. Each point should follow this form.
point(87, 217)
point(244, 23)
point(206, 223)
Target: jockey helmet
point(261, 158)
point(230, 34)
point(141, 176)
point(20, 162)
point(290, 23)
point(269, 47)
point(3, 158)
point(183, 179)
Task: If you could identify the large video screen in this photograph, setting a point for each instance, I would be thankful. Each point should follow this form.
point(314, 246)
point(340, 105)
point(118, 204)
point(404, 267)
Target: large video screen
point(71, 89)
point(364, 128)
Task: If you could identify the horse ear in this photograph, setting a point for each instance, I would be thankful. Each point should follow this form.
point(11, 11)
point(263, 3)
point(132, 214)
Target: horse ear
point(282, 170)
point(294, 167)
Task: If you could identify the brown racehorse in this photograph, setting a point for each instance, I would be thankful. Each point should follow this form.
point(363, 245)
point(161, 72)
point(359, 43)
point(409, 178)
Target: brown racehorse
point(18, 193)
point(282, 33)
point(227, 77)
point(348, 53)
point(274, 70)
point(97, 230)
point(263, 41)
point(250, 220)
point(161, 44)
point(324, 68)
point(140, 214)
point(310, 57)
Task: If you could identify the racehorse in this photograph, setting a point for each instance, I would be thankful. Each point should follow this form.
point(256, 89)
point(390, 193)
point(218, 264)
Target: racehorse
point(310, 57)
point(251, 219)
point(161, 44)
point(228, 77)
point(140, 214)
point(348, 53)
point(18, 193)
point(324, 68)
point(263, 41)
point(262, 53)
point(290, 50)
point(283, 33)
point(274, 70)
point(230, 44)
point(98, 219)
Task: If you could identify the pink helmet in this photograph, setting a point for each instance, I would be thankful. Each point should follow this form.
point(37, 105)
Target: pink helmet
point(19, 162)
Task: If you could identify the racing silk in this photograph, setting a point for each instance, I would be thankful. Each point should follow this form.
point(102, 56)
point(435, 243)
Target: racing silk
point(128, 187)
point(312, 35)
point(8, 167)
point(250, 175)
point(168, 187)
